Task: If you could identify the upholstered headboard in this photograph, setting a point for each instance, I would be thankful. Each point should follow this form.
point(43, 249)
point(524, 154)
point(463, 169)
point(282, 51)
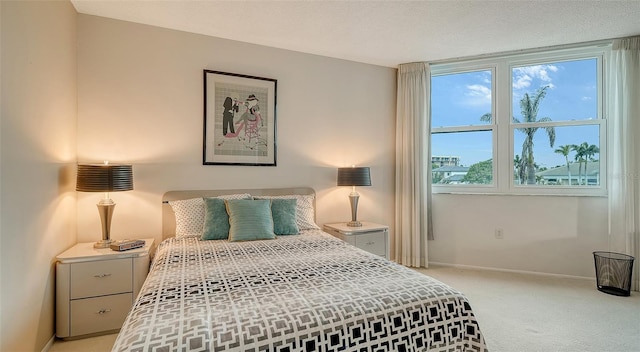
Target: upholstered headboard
point(168, 217)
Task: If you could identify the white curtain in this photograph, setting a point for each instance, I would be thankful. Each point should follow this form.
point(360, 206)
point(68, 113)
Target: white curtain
point(413, 170)
point(624, 128)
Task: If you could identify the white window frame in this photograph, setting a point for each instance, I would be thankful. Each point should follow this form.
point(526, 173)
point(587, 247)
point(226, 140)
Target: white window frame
point(503, 128)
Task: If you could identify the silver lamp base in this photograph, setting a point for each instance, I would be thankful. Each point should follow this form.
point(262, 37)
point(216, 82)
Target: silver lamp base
point(105, 208)
point(103, 244)
point(353, 199)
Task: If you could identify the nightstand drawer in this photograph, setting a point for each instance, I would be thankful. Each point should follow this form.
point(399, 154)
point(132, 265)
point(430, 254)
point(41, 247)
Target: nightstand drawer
point(371, 237)
point(97, 314)
point(373, 242)
point(99, 278)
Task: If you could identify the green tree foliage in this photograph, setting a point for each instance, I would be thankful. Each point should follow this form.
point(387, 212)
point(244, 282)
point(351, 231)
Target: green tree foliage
point(480, 173)
point(565, 150)
point(436, 176)
point(580, 150)
point(584, 153)
point(518, 168)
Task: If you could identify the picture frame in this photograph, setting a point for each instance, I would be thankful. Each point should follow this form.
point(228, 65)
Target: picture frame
point(239, 119)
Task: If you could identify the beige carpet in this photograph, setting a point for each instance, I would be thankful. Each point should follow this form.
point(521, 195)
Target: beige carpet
point(526, 313)
point(92, 344)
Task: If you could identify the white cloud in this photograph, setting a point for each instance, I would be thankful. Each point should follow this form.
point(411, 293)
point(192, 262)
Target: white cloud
point(585, 98)
point(478, 94)
point(520, 82)
point(524, 76)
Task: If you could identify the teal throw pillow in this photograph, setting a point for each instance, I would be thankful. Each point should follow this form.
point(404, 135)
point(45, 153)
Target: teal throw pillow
point(216, 220)
point(283, 212)
point(250, 220)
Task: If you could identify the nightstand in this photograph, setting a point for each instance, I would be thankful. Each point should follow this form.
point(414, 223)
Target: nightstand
point(373, 238)
point(95, 288)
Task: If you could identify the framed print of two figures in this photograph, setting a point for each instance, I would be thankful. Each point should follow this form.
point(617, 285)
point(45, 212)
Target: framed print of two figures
point(239, 119)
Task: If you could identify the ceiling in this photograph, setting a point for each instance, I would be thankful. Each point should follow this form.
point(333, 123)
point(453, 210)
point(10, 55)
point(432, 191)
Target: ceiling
point(385, 33)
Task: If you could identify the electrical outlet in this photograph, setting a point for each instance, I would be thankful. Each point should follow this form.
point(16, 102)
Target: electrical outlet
point(499, 234)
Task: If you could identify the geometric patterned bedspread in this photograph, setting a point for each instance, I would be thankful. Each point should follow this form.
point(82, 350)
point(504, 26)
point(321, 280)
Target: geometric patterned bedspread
point(307, 292)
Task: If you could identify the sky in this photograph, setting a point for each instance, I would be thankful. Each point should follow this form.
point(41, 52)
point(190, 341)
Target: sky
point(461, 99)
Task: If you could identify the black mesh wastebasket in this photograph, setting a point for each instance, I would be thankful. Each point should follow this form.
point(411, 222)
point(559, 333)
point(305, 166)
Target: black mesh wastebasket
point(613, 272)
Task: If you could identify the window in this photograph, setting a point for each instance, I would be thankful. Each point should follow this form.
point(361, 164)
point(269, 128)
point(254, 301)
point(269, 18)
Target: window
point(457, 101)
point(520, 124)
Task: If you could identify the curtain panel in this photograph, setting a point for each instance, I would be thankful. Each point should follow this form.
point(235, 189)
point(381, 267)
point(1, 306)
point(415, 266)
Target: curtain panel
point(623, 104)
point(413, 170)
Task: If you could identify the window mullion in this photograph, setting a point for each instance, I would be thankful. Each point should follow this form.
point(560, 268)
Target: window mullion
point(503, 146)
point(461, 129)
point(559, 123)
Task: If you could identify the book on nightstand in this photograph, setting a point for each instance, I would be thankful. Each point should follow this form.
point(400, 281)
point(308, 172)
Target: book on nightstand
point(124, 245)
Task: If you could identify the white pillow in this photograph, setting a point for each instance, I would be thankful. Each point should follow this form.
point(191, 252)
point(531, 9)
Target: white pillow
point(190, 213)
point(305, 212)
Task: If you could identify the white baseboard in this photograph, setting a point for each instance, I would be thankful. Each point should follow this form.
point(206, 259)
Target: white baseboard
point(485, 268)
point(49, 344)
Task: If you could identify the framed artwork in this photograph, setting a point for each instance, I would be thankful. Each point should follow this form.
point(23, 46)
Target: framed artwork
point(239, 119)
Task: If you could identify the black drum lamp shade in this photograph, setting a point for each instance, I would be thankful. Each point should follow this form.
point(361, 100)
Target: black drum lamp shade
point(104, 178)
point(354, 176)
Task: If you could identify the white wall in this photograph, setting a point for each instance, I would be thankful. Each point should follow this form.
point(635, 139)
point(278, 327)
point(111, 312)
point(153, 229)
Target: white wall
point(541, 233)
point(38, 154)
point(140, 101)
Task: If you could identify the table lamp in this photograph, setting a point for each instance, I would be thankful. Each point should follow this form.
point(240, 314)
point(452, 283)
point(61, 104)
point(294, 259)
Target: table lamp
point(104, 178)
point(354, 176)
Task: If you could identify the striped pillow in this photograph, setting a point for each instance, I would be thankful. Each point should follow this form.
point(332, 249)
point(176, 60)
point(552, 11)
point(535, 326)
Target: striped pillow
point(249, 221)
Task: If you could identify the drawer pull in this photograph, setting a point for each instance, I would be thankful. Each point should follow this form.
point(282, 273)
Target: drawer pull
point(103, 311)
point(370, 243)
point(101, 275)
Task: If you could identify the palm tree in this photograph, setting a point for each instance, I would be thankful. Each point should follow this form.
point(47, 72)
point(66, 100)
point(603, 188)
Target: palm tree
point(589, 152)
point(565, 150)
point(486, 117)
point(581, 151)
point(529, 109)
point(519, 169)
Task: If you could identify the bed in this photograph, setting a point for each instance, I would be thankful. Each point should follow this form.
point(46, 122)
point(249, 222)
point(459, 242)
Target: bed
point(304, 292)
